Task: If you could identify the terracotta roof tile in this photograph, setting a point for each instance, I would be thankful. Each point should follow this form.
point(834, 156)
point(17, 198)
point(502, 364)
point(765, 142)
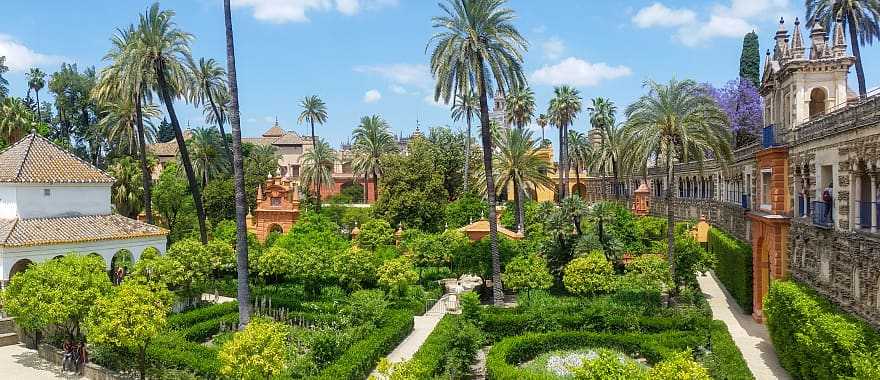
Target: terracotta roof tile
point(46, 231)
point(34, 159)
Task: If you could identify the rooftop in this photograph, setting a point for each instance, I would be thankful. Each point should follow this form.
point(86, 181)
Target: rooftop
point(77, 229)
point(35, 159)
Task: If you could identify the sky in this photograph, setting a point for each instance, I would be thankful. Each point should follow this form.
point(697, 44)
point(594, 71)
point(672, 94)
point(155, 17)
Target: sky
point(367, 57)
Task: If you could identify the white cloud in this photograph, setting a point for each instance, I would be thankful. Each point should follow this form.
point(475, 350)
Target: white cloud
point(660, 15)
point(430, 100)
point(553, 48)
point(401, 74)
point(269, 119)
point(21, 58)
point(282, 11)
point(730, 20)
point(398, 89)
point(372, 96)
point(577, 72)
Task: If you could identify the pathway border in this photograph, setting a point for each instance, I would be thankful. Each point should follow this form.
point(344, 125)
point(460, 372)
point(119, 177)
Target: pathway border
point(750, 337)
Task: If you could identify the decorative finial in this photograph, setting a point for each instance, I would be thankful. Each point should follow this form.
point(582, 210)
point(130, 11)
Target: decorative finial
point(797, 21)
point(33, 131)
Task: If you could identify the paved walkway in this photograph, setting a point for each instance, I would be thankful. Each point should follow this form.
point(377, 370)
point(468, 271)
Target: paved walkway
point(422, 327)
point(751, 337)
point(20, 363)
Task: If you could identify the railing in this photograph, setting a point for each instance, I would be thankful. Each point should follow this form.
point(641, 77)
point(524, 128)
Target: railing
point(841, 117)
point(822, 214)
point(803, 205)
point(746, 201)
point(769, 136)
point(867, 217)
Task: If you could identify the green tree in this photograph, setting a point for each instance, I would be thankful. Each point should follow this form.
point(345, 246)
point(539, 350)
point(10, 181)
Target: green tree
point(679, 122)
point(314, 111)
point(16, 119)
point(355, 267)
point(580, 154)
point(412, 190)
point(519, 161)
point(375, 233)
point(257, 352)
point(130, 317)
point(191, 261)
point(750, 59)
point(602, 119)
point(120, 123)
point(36, 81)
point(165, 132)
point(56, 292)
point(527, 272)
point(473, 39)
point(860, 17)
point(590, 274)
point(372, 140)
point(317, 168)
point(173, 203)
point(206, 85)
point(520, 107)
point(275, 263)
point(396, 275)
point(449, 157)
point(127, 191)
point(542, 120)
point(464, 210)
point(219, 198)
point(209, 159)
point(564, 107)
point(466, 106)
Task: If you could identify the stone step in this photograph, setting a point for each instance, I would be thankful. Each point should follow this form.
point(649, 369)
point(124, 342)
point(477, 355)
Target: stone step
point(8, 339)
point(7, 325)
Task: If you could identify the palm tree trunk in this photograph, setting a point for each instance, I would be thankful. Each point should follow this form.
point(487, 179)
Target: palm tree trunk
point(564, 154)
point(486, 137)
point(670, 220)
point(314, 144)
point(854, 41)
point(577, 177)
point(366, 189)
point(375, 183)
point(561, 166)
point(467, 153)
point(184, 153)
point(39, 115)
point(517, 199)
point(146, 175)
point(219, 122)
point(241, 247)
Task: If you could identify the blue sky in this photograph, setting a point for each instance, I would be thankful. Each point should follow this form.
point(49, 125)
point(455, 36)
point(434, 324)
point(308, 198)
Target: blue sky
point(368, 56)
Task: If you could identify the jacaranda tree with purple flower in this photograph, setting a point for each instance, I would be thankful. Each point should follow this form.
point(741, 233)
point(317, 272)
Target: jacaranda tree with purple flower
point(739, 99)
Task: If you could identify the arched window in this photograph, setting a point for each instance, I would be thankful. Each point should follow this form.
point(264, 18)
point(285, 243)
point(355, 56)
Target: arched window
point(818, 98)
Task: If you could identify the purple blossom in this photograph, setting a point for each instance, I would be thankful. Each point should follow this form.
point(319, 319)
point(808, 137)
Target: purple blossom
point(740, 100)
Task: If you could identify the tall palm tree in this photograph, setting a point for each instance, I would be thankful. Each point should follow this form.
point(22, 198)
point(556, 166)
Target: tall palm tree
point(564, 107)
point(221, 103)
point(466, 106)
point(159, 53)
point(861, 17)
point(4, 84)
point(127, 193)
point(16, 119)
point(206, 85)
point(476, 46)
point(602, 118)
point(519, 162)
point(372, 140)
point(314, 111)
point(681, 122)
point(579, 154)
point(241, 246)
point(317, 167)
point(542, 122)
point(520, 107)
point(209, 160)
point(36, 81)
point(119, 124)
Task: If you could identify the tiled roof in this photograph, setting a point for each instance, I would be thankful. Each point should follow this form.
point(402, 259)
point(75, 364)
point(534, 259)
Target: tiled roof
point(289, 138)
point(275, 131)
point(47, 231)
point(34, 159)
point(482, 225)
point(166, 149)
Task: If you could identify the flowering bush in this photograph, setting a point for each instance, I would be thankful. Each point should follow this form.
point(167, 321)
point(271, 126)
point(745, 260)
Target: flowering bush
point(589, 274)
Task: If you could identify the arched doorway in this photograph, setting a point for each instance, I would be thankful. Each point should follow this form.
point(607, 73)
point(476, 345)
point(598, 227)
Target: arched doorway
point(274, 228)
point(19, 266)
point(59, 257)
point(122, 259)
point(353, 192)
point(818, 97)
point(580, 190)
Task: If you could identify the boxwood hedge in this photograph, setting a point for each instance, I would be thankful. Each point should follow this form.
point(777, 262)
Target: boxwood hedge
point(734, 266)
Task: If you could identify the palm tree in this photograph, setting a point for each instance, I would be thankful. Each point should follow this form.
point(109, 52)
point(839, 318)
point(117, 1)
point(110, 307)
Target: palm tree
point(209, 160)
point(317, 167)
point(241, 241)
point(466, 106)
point(314, 110)
point(542, 122)
point(36, 81)
point(16, 119)
point(681, 122)
point(520, 107)
point(207, 85)
point(4, 89)
point(221, 103)
point(157, 54)
point(372, 140)
point(518, 161)
point(127, 193)
point(579, 154)
point(602, 115)
point(119, 123)
point(861, 17)
point(476, 46)
point(564, 107)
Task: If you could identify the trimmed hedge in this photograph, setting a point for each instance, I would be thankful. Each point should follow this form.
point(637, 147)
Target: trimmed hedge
point(726, 361)
point(189, 318)
point(734, 266)
point(359, 359)
point(815, 340)
point(172, 351)
point(202, 331)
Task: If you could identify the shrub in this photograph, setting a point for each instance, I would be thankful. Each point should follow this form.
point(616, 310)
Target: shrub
point(679, 366)
point(590, 274)
point(608, 365)
point(464, 343)
point(172, 351)
point(367, 306)
point(527, 272)
point(355, 267)
point(812, 338)
point(734, 268)
point(652, 269)
point(396, 274)
point(375, 233)
point(189, 318)
point(690, 258)
point(470, 306)
point(258, 351)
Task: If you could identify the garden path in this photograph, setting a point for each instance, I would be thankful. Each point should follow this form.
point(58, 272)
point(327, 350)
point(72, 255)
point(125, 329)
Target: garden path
point(750, 337)
point(422, 327)
point(20, 363)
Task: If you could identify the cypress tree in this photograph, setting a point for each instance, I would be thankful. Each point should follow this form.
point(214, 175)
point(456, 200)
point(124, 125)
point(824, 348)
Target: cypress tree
point(750, 60)
point(165, 133)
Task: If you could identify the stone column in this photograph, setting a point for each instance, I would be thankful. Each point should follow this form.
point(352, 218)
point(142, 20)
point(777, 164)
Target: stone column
point(873, 199)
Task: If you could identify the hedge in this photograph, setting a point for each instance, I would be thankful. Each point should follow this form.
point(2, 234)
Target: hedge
point(189, 318)
point(726, 361)
point(813, 339)
point(734, 266)
point(359, 360)
point(202, 331)
point(431, 354)
point(172, 351)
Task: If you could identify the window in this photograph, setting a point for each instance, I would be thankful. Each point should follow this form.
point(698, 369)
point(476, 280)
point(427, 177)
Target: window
point(276, 202)
point(47, 192)
point(766, 189)
point(817, 102)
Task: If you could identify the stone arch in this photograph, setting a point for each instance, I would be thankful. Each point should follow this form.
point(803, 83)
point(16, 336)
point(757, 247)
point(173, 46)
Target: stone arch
point(275, 228)
point(818, 99)
point(58, 257)
point(580, 190)
point(19, 266)
point(95, 254)
point(122, 258)
point(148, 253)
